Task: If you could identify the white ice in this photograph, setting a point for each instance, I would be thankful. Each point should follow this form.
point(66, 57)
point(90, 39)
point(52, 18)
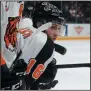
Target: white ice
point(73, 78)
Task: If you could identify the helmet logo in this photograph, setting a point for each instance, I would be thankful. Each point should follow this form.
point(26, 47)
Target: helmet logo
point(50, 7)
point(47, 8)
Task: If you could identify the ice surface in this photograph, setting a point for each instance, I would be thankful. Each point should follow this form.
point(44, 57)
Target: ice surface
point(73, 78)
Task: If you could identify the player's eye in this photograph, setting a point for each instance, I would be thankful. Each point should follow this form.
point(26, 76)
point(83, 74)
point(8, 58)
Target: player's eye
point(54, 28)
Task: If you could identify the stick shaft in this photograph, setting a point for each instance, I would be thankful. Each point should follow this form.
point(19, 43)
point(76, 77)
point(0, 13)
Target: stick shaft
point(73, 65)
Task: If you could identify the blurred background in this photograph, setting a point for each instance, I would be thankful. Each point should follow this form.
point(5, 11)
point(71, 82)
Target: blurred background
point(74, 11)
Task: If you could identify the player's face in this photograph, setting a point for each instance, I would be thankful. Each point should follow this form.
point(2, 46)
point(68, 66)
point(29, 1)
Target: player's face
point(53, 31)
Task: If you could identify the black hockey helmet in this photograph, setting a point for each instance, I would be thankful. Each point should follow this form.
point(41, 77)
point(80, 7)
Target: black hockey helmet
point(46, 12)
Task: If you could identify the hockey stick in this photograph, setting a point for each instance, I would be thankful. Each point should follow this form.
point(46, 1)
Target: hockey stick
point(73, 65)
point(40, 29)
point(60, 49)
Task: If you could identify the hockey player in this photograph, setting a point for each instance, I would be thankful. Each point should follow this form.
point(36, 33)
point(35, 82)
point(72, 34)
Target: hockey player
point(46, 12)
point(11, 14)
point(37, 55)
